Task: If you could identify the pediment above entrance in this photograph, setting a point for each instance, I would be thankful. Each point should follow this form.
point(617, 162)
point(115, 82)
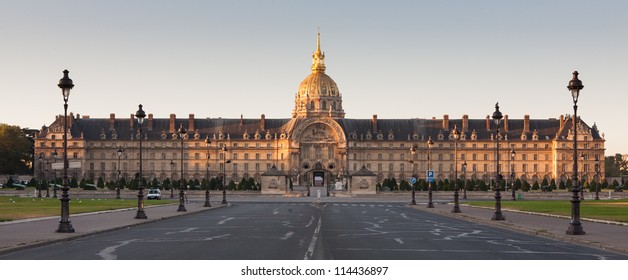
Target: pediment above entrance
point(319, 130)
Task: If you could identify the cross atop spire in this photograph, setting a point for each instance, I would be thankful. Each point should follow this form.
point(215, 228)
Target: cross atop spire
point(318, 57)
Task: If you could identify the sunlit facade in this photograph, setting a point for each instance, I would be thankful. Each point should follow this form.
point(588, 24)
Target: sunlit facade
point(318, 146)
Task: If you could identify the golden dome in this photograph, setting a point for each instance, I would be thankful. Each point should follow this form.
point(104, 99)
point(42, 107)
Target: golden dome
point(318, 94)
point(318, 84)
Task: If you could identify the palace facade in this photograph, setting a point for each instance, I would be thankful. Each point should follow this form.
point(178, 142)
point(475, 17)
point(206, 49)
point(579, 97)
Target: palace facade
point(318, 146)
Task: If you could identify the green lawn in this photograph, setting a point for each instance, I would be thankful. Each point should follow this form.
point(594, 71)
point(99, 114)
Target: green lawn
point(612, 210)
point(13, 208)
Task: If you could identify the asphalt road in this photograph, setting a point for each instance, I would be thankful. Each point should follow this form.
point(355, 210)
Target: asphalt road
point(297, 231)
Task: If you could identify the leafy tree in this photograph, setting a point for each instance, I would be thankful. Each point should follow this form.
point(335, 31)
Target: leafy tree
point(166, 184)
point(231, 185)
point(404, 185)
point(10, 182)
point(155, 184)
point(101, 183)
point(242, 184)
point(525, 186)
point(562, 185)
point(251, 183)
point(553, 184)
point(535, 186)
point(213, 183)
point(482, 185)
point(16, 150)
point(545, 183)
point(73, 183)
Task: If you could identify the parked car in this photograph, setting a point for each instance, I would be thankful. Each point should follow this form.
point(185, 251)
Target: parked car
point(154, 194)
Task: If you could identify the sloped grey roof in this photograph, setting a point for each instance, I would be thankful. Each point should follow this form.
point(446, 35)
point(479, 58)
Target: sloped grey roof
point(402, 129)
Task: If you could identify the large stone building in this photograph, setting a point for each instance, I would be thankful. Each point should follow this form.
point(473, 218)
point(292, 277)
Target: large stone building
point(318, 146)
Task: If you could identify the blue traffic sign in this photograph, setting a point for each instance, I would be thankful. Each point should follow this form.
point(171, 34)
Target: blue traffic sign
point(412, 180)
point(430, 176)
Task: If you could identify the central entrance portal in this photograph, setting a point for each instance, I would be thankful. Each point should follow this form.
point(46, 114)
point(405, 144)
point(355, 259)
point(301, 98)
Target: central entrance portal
point(319, 179)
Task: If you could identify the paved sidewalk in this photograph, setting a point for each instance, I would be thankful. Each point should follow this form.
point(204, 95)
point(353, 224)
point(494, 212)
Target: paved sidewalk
point(33, 232)
point(607, 235)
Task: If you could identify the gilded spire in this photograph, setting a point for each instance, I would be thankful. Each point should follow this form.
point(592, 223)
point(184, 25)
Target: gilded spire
point(318, 57)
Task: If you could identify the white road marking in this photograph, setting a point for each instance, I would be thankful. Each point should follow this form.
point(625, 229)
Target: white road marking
point(310, 249)
point(310, 222)
point(275, 211)
point(188, 229)
point(288, 235)
point(398, 240)
point(225, 220)
point(108, 253)
point(215, 237)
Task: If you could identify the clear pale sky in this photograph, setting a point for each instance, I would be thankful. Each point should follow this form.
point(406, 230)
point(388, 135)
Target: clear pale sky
point(396, 59)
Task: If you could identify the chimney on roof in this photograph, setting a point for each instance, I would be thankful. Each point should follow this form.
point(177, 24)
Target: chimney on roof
point(445, 122)
point(374, 124)
point(562, 122)
point(241, 121)
point(488, 123)
point(112, 121)
point(150, 121)
point(70, 119)
point(465, 122)
point(526, 123)
point(131, 119)
point(172, 128)
point(191, 123)
point(506, 123)
point(262, 123)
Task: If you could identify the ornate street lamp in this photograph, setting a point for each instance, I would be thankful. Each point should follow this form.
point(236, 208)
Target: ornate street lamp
point(224, 174)
point(512, 173)
point(65, 225)
point(464, 175)
point(412, 153)
point(140, 115)
point(456, 134)
point(497, 117)
point(207, 143)
point(575, 227)
point(597, 176)
point(172, 184)
point(55, 155)
point(46, 178)
point(430, 143)
point(119, 152)
point(182, 133)
point(41, 176)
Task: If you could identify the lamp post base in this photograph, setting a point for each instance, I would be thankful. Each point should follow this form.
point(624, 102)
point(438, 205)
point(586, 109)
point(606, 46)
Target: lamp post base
point(207, 200)
point(181, 202)
point(65, 227)
point(224, 197)
point(456, 203)
point(141, 214)
point(498, 216)
point(430, 204)
point(413, 198)
point(575, 227)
